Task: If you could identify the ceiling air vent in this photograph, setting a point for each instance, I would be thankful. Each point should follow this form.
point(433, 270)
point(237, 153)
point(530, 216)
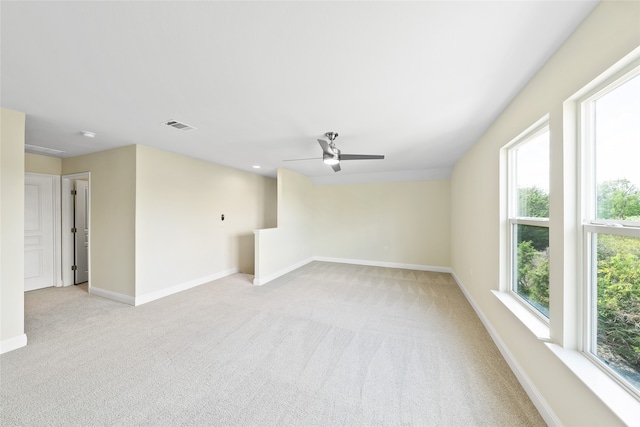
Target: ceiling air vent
point(37, 149)
point(179, 125)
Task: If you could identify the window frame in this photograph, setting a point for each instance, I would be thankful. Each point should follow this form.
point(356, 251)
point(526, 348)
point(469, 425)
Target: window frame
point(563, 334)
point(513, 220)
point(590, 226)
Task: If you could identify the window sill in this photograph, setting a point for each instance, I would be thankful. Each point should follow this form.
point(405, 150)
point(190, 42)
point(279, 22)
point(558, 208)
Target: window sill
point(537, 327)
point(620, 401)
point(614, 396)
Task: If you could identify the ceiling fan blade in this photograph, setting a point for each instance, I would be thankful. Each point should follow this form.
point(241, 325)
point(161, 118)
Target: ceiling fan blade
point(325, 146)
point(361, 157)
point(297, 160)
point(336, 167)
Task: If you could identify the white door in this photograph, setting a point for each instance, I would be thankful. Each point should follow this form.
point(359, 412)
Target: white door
point(38, 231)
point(82, 232)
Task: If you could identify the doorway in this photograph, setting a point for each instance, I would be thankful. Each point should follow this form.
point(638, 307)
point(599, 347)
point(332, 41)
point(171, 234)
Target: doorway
point(41, 231)
point(80, 231)
point(76, 226)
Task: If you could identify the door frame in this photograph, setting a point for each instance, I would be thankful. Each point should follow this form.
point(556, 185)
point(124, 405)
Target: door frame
point(55, 181)
point(67, 224)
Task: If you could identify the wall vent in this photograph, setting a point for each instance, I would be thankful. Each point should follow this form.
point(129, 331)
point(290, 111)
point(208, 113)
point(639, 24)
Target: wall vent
point(37, 149)
point(179, 125)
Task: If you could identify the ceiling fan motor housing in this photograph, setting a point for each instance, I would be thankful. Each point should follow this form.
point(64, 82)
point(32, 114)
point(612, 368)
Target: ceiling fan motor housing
point(331, 135)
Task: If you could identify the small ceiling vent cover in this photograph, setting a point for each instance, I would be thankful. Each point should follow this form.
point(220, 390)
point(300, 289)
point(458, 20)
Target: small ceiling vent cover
point(179, 125)
point(37, 149)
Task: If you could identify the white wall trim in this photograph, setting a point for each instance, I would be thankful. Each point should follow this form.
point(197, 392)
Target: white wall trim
point(114, 296)
point(152, 296)
point(418, 267)
point(261, 281)
point(13, 343)
point(536, 397)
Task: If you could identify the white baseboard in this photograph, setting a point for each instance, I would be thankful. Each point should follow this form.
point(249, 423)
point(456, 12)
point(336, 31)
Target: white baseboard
point(259, 281)
point(419, 267)
point(536, 397)
point(115, 296)
point(152, 296)
point(13, 343)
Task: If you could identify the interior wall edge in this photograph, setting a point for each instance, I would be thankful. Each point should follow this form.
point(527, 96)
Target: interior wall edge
point(114, 296)
point(152, 296)
point(12, 137)
point(14, 343)
point(259, 281)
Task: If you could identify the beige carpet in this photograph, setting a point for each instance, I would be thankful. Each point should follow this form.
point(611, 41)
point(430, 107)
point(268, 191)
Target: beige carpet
point(328, 344)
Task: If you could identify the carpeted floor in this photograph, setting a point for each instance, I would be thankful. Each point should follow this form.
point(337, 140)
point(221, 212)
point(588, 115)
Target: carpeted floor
point(327, 344)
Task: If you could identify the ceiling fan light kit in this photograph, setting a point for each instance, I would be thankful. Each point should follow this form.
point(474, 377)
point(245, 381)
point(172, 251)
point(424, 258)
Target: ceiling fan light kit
point(330, 159)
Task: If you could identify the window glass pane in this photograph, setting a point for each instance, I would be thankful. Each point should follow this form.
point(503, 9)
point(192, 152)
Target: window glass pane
point(617, 336)
point(532, 177)
point(616, 124)
point(531, 270)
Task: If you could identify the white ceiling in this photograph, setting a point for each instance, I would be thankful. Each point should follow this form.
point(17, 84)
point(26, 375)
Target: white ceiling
point(261, 81)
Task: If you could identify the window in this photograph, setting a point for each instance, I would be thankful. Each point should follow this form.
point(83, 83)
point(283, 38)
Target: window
point(610, 126)
point(528, 200)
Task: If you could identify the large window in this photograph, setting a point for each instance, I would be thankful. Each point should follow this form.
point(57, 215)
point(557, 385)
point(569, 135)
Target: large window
point(610, 123)
point(528, 166)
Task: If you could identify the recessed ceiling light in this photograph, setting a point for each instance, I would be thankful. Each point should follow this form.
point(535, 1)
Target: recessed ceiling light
point(88, 134)
point(256, 166)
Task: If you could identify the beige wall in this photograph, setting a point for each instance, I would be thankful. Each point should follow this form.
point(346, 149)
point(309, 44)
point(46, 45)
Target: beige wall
point(289, 245)
point(400, 222)
point(607, 35)
point(180, 237)
point(37, 163)
point(11, 230)
point(113, 213)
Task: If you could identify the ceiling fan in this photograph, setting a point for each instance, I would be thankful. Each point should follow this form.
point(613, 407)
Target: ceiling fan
point(332, 156)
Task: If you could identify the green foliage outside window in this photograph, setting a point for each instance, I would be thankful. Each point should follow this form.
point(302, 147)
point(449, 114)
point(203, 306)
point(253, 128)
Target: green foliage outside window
point(533, 270)
point(533, 202)
point(618, 287)
point(532, 282)
point(618, 271)
point(619, 299)
point(618, 199)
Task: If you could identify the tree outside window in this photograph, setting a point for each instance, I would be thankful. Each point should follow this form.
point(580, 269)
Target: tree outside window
point(529, 218)
point(612, 229)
